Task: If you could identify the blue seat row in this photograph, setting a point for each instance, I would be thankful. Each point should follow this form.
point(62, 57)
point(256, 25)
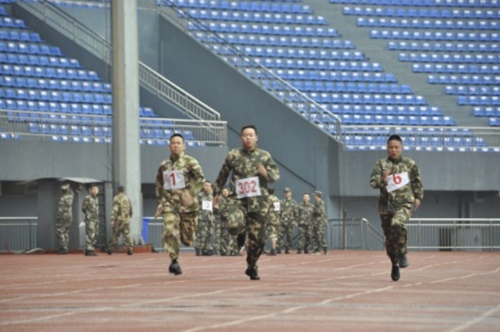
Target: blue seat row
point(287, 41)
point(251, 6)
point(25, 48)
point(38, 60)
point(479, 100)
point(340, 87)
point(56, 96)
point(23, 36)
point(486, 111)
point(54, 84)
point(428, 24)
point(294, 53)
point(449, 58)
point(422, 12)
point(455, 69)
point(48, 72)
point(9, 22)
point(423, 3)
point(254, 17)
point(286, 63)
point(333, 76)
point(408, 110)
point(473, 90)
point(416, 141)
point(464, 79)
point(436, 35)
point(357, 119)
point(443, 47)
point(494, 122)
point(264, 29)
point(366, 99)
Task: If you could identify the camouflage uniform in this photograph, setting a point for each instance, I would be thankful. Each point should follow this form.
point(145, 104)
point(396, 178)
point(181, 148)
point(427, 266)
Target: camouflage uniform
point(120, 216)
point(288, 218)
point(91, 209)
point(305, 227)
point(180, 206)
point(274, 216)
point(248, 214)
point(64, 217)
point(205, 231)
point(319, 225)
point(395, 207)
point(225, 248)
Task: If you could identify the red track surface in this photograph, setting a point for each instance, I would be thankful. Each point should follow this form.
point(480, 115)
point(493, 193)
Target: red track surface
point(344, 291)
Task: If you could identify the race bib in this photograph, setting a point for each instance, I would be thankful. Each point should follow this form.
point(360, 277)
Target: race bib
point(206, 205)
point(248, 187)
point(173, 180)
point(277, 206)
point(397, 181)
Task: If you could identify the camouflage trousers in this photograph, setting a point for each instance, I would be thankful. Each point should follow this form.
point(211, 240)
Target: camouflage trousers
point(256, 236)
point(304, 237)
point(318, 234)
point(179, 227)
point(204, 235)
point(91, 230)
point(225, 238)
point(121, 227)
point(395, 233)
point(287, 234)
point(217, 236)
point(62, 232)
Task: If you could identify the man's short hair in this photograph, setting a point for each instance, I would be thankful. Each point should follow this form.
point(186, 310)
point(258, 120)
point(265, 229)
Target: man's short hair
point(271, 191)
point(92, 185)
point(176, 135)
point(249, 126)
point(121, 189)
point(395, 138)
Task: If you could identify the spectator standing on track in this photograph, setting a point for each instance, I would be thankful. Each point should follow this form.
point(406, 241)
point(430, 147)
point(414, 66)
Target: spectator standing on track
point(64, 218)
point(305, 225)
point(273, 221)
point(401, 192)
point(319, 223)
point(120, 221)
point(288, 219)
point(90, 208)
point(178, 181)
point(205, 232)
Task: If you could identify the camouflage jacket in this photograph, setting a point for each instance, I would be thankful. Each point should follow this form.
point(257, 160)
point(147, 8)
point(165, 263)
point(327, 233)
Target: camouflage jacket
point(289, 211)
point(305, 214)
point(122, 208)
point(65, 205)
point(180, 200)
point(319, 212)
point(390, 202)
point(274, 210)
point(205, 215)
point(91, 208)
point(241, 164)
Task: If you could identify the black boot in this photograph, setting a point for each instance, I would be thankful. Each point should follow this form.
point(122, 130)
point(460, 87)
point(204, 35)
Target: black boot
point(252, 273)
point(129, 251)
point(175, 268)
point(395, 273)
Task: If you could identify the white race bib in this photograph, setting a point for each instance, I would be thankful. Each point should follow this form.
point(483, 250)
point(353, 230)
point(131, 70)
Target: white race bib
point(173, 180)
point(277, 206)
point(397, 181)
point(206, 205)
point(248, 187)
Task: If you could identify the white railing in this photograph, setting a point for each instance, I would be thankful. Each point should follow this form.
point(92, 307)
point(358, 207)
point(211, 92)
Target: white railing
point(101, 48)
point(70, 127)
point(18, 234)
point(449, 234)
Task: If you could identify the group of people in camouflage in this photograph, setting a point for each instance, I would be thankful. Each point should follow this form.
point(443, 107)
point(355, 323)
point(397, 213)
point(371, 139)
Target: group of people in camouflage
point(223, 220)
point(307, 218)
point(120, 219)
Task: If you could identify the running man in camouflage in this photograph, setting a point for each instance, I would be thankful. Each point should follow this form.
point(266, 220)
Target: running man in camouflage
point(120, 221)
point(251, 169)
point(178, 182)
point(401, 192)
point(64, 218)
point(90, 208)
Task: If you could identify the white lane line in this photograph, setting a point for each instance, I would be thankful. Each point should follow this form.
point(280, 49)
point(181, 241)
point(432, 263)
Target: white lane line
point(476, 320)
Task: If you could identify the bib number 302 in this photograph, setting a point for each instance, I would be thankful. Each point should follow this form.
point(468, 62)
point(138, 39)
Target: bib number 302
point(248, 187)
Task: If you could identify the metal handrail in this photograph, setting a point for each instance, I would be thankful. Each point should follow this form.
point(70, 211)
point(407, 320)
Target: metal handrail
point(100, 47)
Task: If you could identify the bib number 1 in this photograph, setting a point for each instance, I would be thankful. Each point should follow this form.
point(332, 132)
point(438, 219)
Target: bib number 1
point(248, 187)
point(173, 180)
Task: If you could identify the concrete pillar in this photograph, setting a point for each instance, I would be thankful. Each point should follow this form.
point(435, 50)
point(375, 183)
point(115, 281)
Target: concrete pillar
point(126, 145)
